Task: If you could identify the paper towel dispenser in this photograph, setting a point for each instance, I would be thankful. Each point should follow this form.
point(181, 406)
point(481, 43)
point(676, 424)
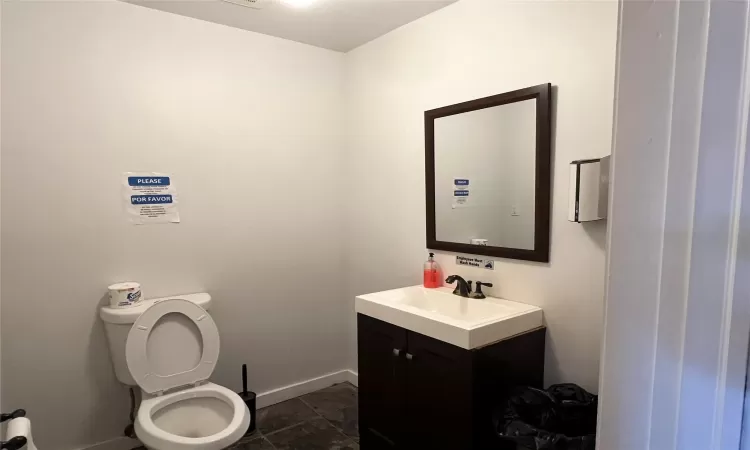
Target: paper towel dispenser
point(589, 189)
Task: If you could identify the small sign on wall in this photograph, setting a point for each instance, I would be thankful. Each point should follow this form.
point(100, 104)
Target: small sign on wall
point(150, 197)
point(461, 193)
point(475, 262)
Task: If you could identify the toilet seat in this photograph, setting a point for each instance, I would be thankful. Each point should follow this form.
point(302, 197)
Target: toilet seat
point(155, 437)
point(144, 344)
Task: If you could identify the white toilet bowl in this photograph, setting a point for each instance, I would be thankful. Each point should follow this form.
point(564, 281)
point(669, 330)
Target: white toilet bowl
point(169, 348)
point(207, 417)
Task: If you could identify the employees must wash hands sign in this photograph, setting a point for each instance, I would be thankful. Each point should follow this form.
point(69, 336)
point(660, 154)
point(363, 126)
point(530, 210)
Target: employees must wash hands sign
point(150, 197)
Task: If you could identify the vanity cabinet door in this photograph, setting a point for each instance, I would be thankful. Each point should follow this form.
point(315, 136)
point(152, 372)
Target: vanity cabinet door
point(381, 348)
point(438, 394)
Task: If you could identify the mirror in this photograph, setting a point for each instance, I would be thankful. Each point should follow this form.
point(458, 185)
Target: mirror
point(488, 175)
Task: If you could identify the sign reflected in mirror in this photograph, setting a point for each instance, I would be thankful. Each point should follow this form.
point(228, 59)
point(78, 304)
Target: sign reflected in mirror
point(487, 166)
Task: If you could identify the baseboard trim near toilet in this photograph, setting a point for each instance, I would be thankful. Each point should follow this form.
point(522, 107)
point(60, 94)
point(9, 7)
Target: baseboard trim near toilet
point(120, 443)
point(291, 391)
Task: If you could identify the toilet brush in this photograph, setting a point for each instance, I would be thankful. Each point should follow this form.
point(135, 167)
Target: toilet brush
point(249, 399)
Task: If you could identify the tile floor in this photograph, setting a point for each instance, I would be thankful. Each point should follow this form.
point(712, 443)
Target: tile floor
point(322, 420)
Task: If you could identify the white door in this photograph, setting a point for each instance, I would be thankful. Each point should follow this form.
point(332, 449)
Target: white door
point(677, 316)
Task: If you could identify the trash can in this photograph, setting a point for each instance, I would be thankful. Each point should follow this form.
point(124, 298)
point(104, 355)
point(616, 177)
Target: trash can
point(562, 417)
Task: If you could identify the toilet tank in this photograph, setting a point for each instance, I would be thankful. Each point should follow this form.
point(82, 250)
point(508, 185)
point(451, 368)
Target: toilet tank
point(119, 321)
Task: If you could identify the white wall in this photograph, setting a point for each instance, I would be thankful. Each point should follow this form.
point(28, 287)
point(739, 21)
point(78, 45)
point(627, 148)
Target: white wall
point(495, 148)
point(468, 50)
point(249, 127)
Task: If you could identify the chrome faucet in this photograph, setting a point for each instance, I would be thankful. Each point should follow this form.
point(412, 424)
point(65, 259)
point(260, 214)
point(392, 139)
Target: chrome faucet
point(462, 286)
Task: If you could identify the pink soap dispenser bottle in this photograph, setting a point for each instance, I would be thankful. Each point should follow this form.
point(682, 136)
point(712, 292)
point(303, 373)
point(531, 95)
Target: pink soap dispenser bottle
point(433, 276)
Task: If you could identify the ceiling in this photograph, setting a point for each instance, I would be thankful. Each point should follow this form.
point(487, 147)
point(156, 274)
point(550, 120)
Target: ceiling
point(339, 25)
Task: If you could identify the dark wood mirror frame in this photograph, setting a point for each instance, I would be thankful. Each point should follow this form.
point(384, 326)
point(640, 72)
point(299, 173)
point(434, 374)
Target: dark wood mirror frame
point(542, 95)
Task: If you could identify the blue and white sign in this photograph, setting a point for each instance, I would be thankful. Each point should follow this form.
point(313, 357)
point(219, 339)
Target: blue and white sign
point(461, 192)
point(150, 197)
point(148, 181)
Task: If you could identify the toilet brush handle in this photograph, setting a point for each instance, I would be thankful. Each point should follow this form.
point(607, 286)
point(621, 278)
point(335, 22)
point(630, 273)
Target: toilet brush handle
point(16, 443)
point(244, 379)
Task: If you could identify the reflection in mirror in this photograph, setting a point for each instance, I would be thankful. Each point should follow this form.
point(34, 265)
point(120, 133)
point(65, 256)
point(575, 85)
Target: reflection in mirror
point(488, 176)
point(484, 176)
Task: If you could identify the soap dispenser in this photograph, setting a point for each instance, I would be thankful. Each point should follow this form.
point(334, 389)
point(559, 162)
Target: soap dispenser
point(433, 276)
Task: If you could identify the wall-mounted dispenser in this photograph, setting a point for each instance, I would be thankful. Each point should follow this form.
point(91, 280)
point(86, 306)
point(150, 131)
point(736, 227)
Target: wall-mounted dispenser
point(589, 189)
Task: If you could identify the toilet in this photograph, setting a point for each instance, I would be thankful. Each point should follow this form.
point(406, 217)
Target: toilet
point(169, 348)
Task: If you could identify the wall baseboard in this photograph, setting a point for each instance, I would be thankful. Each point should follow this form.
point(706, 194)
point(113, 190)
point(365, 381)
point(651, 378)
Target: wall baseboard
point(119, 443)
point(267, 398)
point(291, 391)
point(353, 377)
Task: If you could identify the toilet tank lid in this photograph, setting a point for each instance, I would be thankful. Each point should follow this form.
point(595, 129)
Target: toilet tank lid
point(129, 315)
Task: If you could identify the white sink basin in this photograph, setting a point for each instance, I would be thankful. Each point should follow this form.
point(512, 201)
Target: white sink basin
point(465, 322)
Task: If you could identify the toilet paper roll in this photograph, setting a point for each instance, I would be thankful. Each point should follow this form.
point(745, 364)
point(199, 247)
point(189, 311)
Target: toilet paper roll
point(20, 427)
point(124, 295)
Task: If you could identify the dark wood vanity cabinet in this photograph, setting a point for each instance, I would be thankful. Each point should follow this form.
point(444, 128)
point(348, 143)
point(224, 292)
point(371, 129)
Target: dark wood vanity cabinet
point(416, 392)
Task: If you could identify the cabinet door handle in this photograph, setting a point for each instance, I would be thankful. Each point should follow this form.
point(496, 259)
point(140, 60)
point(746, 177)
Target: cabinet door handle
point(397, 352)
point(409, 356)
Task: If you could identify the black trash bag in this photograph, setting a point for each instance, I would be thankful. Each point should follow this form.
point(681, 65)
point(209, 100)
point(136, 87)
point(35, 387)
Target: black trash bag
point(561, 418)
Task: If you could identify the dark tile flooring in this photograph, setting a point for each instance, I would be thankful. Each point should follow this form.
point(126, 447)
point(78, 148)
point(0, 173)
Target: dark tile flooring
point(322, 420)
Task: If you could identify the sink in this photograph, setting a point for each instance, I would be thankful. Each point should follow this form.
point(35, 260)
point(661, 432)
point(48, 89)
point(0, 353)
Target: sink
point(465, 322)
